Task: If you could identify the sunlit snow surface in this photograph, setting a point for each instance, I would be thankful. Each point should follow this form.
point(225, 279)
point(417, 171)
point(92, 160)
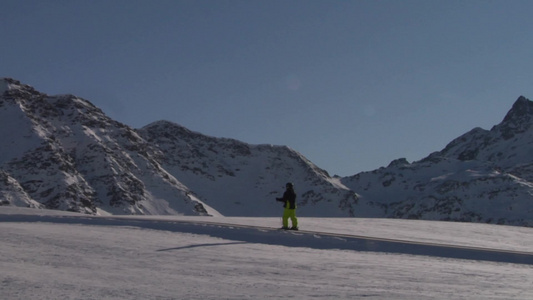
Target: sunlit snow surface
point(59, 255)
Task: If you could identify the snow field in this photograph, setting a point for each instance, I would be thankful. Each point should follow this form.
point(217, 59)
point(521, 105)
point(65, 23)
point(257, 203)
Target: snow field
point(146, 258)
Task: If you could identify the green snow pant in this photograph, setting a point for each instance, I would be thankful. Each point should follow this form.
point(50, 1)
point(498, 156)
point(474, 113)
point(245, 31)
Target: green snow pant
point(289, 213)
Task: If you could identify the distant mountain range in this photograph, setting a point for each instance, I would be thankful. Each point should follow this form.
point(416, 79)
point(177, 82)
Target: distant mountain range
point(61, 152)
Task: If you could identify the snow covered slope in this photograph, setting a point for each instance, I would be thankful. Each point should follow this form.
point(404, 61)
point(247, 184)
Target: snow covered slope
point(60, 255)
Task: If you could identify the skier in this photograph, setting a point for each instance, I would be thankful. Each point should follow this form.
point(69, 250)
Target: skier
point(289, 200)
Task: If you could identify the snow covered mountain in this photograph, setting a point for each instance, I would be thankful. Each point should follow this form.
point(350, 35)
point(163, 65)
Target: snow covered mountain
point(240, 179)
point(482, 176)
point(62, 152)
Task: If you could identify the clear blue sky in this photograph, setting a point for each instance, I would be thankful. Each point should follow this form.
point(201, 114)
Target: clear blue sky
point(351, 85)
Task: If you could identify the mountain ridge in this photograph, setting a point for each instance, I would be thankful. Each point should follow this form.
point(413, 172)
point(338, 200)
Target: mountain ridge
point(78, 159)
point(62, 152)
point(481, 176)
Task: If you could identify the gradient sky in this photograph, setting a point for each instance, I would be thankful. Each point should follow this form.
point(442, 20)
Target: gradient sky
point(352, 85)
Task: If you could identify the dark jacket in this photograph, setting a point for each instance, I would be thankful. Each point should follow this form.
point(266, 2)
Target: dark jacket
point(289, 199)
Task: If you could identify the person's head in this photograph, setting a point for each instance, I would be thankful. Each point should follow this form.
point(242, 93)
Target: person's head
point(289, 186)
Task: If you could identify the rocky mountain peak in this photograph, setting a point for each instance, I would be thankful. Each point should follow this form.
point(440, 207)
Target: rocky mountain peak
point(518, 120)
point(522, 110)
point(171, 130)
point(14, 87)
point(8, 83)
point(398, 162)
point(504, 142)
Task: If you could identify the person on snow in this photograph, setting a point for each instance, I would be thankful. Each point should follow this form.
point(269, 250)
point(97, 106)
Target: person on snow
point(289, 200)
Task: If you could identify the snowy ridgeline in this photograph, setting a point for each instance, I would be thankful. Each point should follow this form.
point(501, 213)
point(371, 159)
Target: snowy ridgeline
point(61, 152)
point(59, 255)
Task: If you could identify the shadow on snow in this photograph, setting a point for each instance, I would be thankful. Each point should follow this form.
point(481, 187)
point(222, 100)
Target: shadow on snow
point(315, 240)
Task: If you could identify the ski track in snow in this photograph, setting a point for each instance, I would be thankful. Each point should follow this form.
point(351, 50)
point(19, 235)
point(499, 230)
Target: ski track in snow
point(57, 255)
